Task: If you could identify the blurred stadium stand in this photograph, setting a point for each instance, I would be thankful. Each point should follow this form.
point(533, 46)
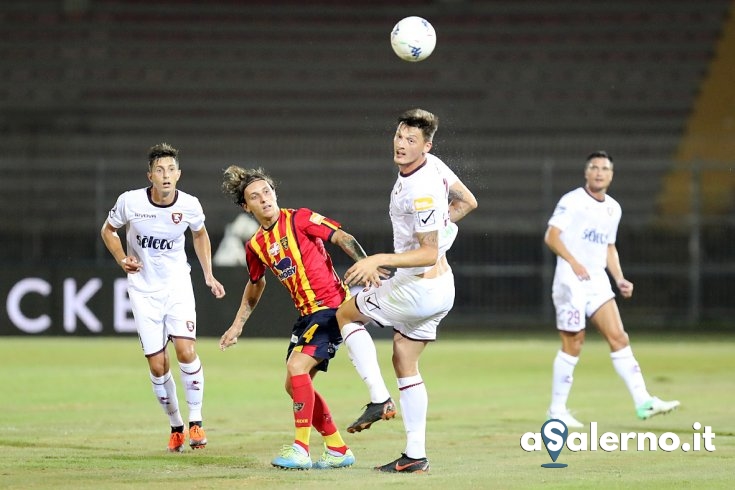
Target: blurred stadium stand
point(310, 91)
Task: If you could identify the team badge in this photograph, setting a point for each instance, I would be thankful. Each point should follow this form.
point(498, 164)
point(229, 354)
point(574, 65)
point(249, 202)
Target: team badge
point(190, 325)
point(177, 217)
point(274, 249)
point(298, 406)
point(284, 243)
point(316, 218)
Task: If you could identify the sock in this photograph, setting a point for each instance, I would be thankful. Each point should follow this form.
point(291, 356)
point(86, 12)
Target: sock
point(414, 405)
point(561, 382)
point(164, 388)
point(192, 375)
point(362, 353)
point(627, 367)
point(322, 421)
point(303, 409)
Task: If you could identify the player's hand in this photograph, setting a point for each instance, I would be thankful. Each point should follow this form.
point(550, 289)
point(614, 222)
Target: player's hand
point(625, 287)
point(580, 271)
point(365, 272)
point(218, 290)
point(229, 338)
point(131, 264)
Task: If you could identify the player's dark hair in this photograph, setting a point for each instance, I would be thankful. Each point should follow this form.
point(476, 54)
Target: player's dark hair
point(162, 150)
point(236, 179)
point(427, 122)
point(598, 154)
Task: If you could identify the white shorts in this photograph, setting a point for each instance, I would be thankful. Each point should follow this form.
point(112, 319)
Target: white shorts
point(577, 300)
point(413, 306)
point(164, 315)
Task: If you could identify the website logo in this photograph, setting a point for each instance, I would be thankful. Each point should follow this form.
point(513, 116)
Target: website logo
point(554, 433)
point(555, 436)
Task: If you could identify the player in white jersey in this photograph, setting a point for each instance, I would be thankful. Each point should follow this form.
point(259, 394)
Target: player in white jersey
point(426, 202)
point(582, 233)
point(159, 283)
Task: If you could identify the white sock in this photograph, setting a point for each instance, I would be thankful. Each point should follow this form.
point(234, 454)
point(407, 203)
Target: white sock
point(627, 367)
point(561, 381)
point(164, 387)
point(362, 353)
point(414, 405)
point(192, 375)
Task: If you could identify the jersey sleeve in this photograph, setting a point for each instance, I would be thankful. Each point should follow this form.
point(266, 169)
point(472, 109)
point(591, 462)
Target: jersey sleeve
point(314, 224)
point(256, 268)
point(426, 207)
point(116, 217)
point(563, 213)
point(447, 173)
point(196, 222)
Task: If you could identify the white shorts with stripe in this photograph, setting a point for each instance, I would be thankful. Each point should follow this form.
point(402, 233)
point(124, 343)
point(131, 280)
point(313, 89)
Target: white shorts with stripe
point(412, 305)
point(163, 315)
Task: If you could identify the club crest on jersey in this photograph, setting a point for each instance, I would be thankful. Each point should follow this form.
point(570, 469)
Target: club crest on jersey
point(284, 243)
point(177, 217)
point(190, 325)
point(423, 203)
point(274, 250)
point(316, 218)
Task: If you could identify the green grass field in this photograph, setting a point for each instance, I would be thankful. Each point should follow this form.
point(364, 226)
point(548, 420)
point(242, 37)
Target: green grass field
point(80, 413)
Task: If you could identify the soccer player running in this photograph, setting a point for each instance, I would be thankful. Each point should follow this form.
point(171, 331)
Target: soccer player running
point(582, 233)
point(290, 242)
point(159, 283)
point(425, 203)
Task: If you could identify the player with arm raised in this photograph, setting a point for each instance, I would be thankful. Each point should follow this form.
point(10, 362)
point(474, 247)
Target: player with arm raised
point(290, 242)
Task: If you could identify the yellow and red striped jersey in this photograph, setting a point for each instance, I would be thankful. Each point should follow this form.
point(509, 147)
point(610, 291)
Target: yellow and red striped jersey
point(293, 249)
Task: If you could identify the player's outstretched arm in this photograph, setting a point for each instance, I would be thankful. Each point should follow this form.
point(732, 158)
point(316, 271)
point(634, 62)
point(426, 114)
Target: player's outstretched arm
point(250, 298)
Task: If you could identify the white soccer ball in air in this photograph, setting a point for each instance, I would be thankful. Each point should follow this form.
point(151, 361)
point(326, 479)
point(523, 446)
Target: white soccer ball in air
point(413, 39)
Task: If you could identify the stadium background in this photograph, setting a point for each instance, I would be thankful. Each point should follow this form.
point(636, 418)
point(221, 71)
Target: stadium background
point(310, 91)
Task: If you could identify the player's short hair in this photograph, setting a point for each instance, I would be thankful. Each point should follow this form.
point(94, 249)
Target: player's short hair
point(427, 122)
point(236, 179)
point(598, 154)
point(162, 150)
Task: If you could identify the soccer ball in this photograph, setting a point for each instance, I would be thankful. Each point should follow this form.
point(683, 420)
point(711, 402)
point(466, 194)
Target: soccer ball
point(413, 39)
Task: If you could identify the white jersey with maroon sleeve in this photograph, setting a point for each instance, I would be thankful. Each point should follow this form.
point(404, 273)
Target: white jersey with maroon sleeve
point(419, 203)
point(156, 236)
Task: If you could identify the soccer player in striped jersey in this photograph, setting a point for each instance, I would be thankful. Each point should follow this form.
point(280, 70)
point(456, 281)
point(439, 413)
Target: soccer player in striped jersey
point(290, 242)
point(159, 283)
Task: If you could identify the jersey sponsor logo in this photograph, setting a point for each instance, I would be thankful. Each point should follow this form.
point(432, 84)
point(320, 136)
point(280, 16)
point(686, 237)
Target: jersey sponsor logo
point(284, 243)
point(423, 203)
point(177, 217)
point(154, 243)
point(285, 268)
point(426, 218)
point(594, 236)
point(274, 250)
point(371, 301)
point(142, 215)
point(316, 218)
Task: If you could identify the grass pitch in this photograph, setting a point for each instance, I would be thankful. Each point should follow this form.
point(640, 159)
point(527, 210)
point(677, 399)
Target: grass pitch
point(80, 413)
